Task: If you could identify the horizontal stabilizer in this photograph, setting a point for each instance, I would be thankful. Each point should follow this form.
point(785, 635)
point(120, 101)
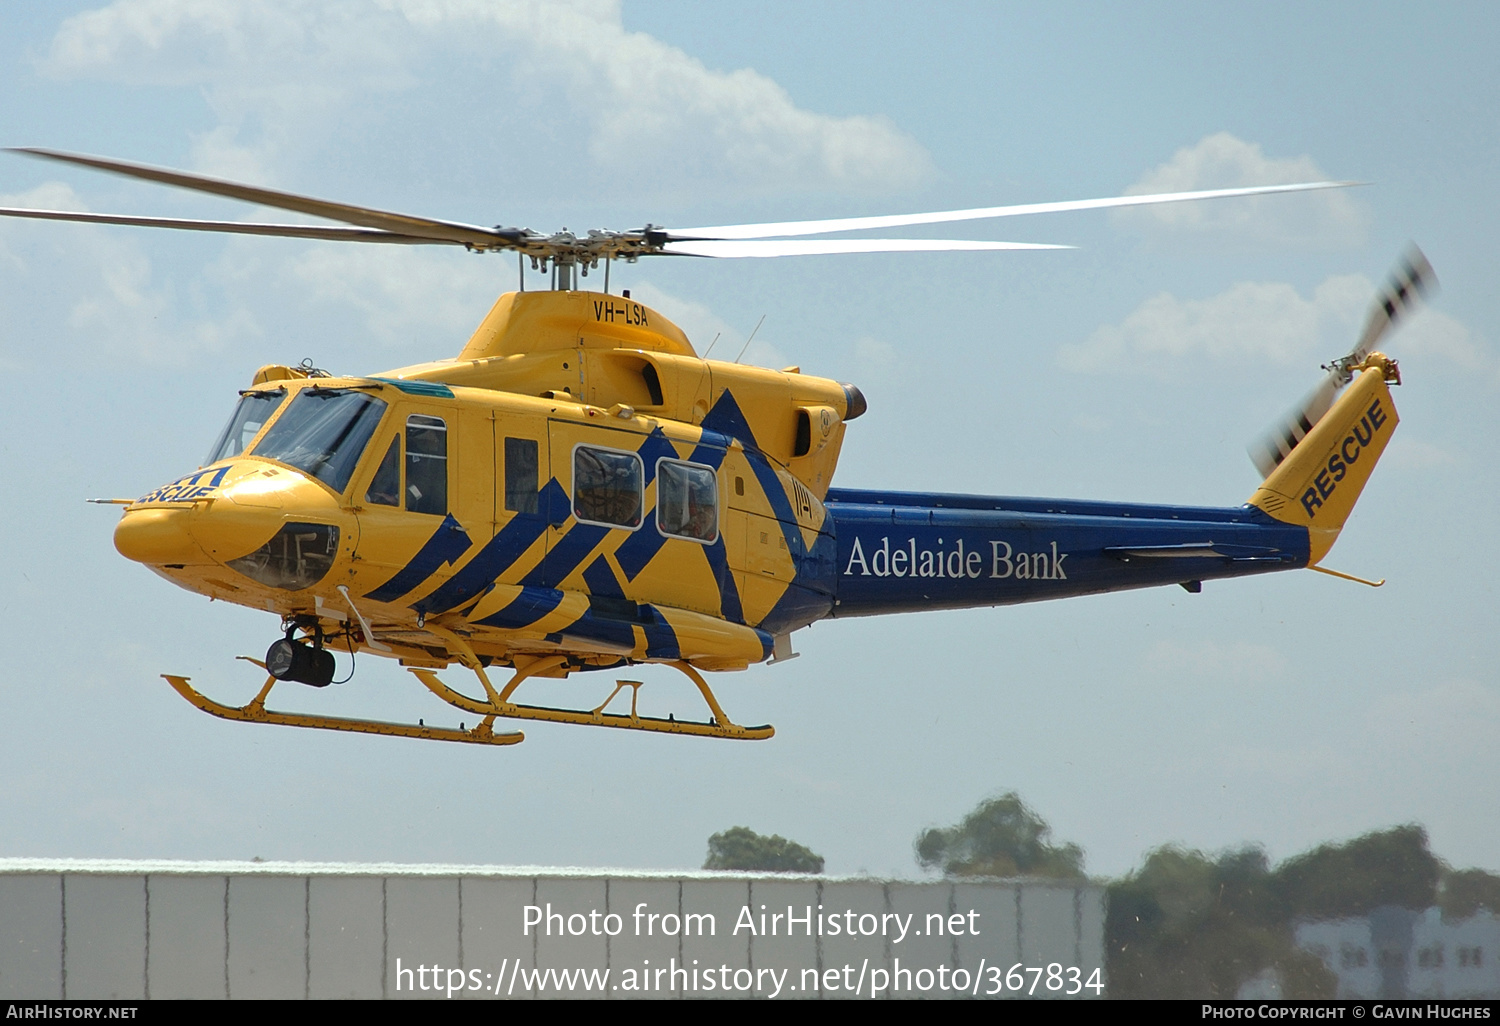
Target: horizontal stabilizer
point(1191, 550)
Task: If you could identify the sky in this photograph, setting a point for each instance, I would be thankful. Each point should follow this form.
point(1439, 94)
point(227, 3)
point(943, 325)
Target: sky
point(1285, 711)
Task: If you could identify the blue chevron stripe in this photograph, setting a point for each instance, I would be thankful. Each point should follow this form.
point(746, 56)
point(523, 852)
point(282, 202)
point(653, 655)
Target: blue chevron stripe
point(525, 609)
point(796, 608)
point(565, 555)
point(729, 592)
point(447, 544)
point(601, 580)
point(476, 576)
point(655, 447)
point(727, 418)
point(661, 639)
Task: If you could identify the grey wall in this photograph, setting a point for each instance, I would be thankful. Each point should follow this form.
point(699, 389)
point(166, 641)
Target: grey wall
point(214, 930)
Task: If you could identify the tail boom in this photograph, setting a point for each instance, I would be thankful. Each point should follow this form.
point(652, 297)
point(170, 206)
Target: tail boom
point(905, 552)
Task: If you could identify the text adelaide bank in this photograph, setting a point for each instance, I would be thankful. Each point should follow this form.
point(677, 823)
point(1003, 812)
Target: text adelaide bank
point(905, 559)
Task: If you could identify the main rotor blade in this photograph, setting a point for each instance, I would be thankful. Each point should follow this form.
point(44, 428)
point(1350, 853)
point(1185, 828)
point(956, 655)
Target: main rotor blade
point(849, 224)
point(366, 217)
point(337, 233)
point(824, 247)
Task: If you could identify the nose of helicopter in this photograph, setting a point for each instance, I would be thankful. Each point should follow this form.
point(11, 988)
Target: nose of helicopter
point(267, 524)
point(158, 536)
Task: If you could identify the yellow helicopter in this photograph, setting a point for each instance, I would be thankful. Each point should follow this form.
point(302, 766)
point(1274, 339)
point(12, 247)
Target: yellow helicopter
point(579, 490)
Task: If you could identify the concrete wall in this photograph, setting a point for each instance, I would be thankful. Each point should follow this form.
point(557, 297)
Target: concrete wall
point(93, 929)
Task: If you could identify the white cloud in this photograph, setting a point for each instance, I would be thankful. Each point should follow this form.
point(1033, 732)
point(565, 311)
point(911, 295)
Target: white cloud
point(699, 322)
point(1261, 320)
point(111, 296)
point(702, 325)
point(47, 196)
point(281, 75)
point(1222, 161)
point(405, 295)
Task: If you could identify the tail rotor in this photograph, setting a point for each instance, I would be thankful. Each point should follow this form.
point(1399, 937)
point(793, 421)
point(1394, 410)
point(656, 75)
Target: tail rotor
point(1412, 279)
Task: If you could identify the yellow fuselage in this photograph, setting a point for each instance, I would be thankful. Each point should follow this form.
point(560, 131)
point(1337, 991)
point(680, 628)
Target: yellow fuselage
point(459, 520)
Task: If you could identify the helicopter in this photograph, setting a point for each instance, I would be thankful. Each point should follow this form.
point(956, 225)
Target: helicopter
point(578, 489)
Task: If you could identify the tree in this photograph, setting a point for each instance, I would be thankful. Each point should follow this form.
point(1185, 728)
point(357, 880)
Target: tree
point(740, 848)
point(1187, 925)
point(1384, 867)
point(1001, 837)
point(1466, 891)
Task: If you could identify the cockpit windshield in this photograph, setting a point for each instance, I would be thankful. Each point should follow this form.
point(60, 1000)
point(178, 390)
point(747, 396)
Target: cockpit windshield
point(250, 416)
point(324, 432)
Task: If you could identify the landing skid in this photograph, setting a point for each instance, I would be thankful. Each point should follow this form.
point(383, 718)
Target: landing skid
point(255, 711)
point(496, 704)
point(499, 704)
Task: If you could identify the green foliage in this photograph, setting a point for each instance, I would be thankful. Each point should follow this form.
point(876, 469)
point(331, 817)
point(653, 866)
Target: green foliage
point(1002, 837)
point(1335, 881)
point(1189, 925)
point(1466, 891)
point(740, 848)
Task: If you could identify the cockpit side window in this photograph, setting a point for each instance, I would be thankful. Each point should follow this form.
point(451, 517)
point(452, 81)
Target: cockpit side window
point(385, 486)
point(323, 433)
point(426, 464)
point(254, 409)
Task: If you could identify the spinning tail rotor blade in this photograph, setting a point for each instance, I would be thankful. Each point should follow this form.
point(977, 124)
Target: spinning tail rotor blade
point(1277, 443)
point(1412, 278)
point(364, 217)
point(849, 224)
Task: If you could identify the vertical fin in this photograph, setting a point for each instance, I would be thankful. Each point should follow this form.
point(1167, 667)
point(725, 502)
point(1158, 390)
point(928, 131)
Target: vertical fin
point(1317, 485)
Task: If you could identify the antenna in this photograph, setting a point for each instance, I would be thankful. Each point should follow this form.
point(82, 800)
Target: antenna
point(751, 338)
point(712, 344)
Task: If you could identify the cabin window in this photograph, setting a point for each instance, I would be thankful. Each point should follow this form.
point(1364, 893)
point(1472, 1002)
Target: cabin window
point(426, 464)
point(323, 433)
point(522, 475)
point(687, 501)
point(607, 487)
point(385, 486)
point(250, 416)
